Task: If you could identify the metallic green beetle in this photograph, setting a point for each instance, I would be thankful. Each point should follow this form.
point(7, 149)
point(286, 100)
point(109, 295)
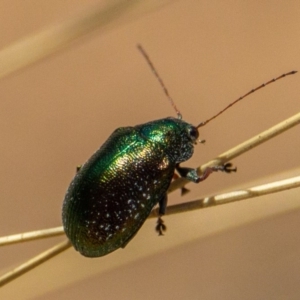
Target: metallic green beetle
point(114, 192)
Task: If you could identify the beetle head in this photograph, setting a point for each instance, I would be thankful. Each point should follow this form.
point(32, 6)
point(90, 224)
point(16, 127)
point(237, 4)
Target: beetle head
point(174, 136)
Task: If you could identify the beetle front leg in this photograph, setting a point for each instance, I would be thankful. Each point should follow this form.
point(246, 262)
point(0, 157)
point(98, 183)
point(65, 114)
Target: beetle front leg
point(192, 175)
point(160, 227)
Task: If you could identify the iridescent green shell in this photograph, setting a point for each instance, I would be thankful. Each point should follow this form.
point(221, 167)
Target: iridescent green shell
point(113, 193)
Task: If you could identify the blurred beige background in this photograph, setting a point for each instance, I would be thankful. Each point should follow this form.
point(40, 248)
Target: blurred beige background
point(57, 112)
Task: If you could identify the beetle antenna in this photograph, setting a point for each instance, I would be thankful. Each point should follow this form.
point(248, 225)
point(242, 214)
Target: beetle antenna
point(244, 96)
point(141, 49)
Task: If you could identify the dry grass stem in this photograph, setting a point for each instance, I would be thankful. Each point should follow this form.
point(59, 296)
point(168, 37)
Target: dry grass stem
point(34, 262)
point(260, 190)
point(252, 192)
point(188, 206)
point(32, 235)
point(242, 148)
point(223, 158)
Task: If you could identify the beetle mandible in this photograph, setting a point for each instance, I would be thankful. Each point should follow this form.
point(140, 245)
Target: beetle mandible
point(113, 193)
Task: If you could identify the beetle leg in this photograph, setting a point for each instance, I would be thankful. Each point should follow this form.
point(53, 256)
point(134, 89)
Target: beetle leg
point(160, 227)
point(227, 168)
point(191, 174)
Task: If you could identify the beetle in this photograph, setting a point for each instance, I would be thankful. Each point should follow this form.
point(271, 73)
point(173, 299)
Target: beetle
point(113, 193)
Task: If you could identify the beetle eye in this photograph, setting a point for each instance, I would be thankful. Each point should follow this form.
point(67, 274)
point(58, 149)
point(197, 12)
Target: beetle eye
point(193, 132)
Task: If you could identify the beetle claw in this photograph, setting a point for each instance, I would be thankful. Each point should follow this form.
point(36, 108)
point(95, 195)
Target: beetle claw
point(160, 227)
point(228, 168)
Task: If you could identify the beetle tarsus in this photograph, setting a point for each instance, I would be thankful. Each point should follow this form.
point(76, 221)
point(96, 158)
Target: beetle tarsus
point(227, 168)
point(160, 227)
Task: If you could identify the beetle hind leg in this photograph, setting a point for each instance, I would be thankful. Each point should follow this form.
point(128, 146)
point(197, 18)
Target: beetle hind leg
point(161, 227)
point(192, 175)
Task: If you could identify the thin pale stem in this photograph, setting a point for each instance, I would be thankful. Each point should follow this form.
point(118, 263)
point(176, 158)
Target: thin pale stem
point(34, 262)
point(242, 148)
point(206, 202)
point(32, 235)
point(233, 196)
point(225, 198)
point(180, 182)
